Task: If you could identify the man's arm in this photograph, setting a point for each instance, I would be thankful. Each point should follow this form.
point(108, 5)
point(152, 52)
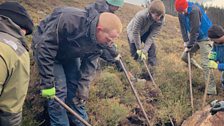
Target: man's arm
point(3, 73)
point(87, 74)
point(183, 28)
point(219, 40)
point(109, 53)
point(45, 46)
point(195, 26)
point(155, 29)
point(135, 34)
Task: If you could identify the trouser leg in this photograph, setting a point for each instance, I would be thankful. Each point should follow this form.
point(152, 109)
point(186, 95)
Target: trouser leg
point(57, 114)
point(10, 119)
point(72, 75)
point(205, 48)
point(152, 55)
point(222, 80)
point(133, 51)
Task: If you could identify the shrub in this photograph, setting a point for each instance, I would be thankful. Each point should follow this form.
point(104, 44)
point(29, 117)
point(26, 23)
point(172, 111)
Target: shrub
point(107, 112)
point(109, 85)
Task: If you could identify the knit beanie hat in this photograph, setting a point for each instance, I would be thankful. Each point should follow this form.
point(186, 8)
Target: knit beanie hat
point(181, 5)
point(157, 7)
point(216, 31)
point(18, 15)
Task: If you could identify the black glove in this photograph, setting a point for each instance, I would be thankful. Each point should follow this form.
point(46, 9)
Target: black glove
point(194, 48)
point(216, 107)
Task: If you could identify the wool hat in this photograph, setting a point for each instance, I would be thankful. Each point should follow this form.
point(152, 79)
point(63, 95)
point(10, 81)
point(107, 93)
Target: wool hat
point(181, 5)
point(157, 7)
point(17, 14)
point(216, 31)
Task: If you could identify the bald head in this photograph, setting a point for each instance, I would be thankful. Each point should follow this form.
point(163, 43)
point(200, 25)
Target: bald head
point(108, 28)
point(109, 21)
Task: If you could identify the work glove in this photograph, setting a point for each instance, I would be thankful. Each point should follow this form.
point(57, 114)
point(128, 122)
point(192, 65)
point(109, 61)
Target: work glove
point(141, 55)
point(117, 58)
point(212, 64)
point(192, 49)
point(216, 106)
point(48, 93)
point(115, 47)
point(212, 56)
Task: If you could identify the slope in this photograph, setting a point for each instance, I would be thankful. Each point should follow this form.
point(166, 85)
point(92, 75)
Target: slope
point(111, 100)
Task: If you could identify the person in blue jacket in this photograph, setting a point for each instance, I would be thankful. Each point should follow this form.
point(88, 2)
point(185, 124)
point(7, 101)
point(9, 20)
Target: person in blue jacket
point(194, 25)
point(216, 56)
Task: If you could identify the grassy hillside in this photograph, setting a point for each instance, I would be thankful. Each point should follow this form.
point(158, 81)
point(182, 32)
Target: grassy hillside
point(111, 100)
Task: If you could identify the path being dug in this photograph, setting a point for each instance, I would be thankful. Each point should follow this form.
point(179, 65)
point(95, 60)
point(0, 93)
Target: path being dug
point(204, 118)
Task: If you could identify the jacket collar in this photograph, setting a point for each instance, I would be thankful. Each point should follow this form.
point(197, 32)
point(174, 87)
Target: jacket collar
point(9, 27)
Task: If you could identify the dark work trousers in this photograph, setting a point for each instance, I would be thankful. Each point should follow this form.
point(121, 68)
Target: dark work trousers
point(10, 119)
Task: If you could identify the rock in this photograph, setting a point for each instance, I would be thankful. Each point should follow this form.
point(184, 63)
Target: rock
point(204, 118)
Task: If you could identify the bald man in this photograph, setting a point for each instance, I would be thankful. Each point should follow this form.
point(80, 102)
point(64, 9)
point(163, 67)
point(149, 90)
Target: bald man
point(61, 40)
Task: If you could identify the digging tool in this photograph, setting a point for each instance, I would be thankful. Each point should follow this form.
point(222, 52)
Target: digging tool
point(206, 88)
point(150, 75)
point(190, 79)
point(153, 81)
point(133, 89)
point(71, 111)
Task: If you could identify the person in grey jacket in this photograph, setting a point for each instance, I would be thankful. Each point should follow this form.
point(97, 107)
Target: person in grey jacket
point(143, 28)
point(63, 39)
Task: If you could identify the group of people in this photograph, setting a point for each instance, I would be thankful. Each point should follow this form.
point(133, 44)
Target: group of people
point(68, 43)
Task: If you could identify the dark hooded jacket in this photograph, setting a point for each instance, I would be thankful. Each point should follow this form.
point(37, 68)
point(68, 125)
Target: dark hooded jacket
point(100, 6)
point(65, 34)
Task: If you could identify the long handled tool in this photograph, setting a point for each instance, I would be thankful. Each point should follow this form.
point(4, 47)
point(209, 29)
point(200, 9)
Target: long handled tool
point(190, 79)
point(71, 111)
point(206, 89)
point(134, 90)
point(153, 81)
point(150, 75)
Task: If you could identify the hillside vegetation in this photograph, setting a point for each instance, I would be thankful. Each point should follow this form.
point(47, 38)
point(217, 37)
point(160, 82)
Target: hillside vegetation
point(111, 99)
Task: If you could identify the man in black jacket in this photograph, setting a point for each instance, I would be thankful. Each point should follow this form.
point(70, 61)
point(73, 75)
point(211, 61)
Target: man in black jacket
point(100, 6)
point(61, 40)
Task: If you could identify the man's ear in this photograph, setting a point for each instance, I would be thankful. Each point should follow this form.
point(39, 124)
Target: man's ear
point(99, 28)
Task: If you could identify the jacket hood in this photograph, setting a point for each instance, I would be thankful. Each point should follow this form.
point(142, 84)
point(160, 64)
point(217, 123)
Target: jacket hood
point(93, 25)
point(9, 27)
